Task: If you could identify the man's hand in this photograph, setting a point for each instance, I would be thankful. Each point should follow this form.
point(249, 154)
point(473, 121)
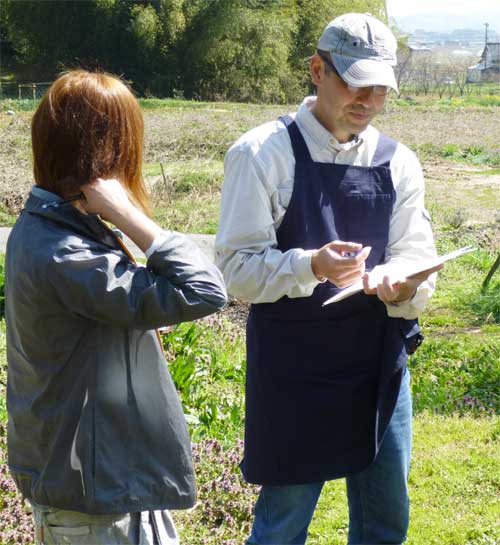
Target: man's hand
point(397, 290)
point(333, 262)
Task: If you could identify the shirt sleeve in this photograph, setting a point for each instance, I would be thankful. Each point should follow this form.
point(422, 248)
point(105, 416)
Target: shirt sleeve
point(178, 284)
point(245, 248)
point(410, 235)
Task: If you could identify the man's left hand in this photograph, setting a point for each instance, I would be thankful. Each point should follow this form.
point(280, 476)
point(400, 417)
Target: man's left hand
point(397, 290)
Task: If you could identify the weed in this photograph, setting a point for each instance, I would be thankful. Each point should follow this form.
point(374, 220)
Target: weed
point(208, 377)
point(456, 218)
point(223, 514)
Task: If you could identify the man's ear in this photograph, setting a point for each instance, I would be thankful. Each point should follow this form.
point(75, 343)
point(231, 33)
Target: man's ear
point(317, 69)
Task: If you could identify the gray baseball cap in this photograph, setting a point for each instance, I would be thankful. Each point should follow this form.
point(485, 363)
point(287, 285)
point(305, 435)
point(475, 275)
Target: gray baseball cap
point(362, 49)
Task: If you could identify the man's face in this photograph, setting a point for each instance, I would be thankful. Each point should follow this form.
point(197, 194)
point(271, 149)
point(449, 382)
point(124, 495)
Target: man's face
point(343, 110)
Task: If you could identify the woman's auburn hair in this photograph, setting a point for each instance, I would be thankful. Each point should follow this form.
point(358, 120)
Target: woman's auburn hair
point(88, 125)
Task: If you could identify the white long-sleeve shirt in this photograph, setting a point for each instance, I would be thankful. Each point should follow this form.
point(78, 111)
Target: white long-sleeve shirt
point(258, 183)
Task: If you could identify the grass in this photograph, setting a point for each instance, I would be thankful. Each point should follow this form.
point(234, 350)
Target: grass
point(473, 155)
point(190, 140)
point(7, 219)
point(454, 483)
point(454, 486)
point(185, 187)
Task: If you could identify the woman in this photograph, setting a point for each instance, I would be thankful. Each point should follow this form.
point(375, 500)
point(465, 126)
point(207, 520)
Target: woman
point(97, 439)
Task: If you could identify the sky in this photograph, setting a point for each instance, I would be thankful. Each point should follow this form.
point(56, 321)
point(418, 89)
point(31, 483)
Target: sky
point(463, 7)
point(444, 15)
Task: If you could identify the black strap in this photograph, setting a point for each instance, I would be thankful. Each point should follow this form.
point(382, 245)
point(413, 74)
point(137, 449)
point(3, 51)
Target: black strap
point(300, 149)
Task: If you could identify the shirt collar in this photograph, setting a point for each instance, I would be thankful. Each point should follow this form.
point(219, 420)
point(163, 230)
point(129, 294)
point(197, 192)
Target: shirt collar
point(319, 134)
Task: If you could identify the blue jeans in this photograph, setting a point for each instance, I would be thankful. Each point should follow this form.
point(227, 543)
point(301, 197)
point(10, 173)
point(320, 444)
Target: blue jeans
point(377, 496)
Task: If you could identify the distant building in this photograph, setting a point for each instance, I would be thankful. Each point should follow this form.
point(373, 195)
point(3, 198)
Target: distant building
point(488, 67)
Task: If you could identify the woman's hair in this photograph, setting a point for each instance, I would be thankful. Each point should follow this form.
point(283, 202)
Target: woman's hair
point(88, 125)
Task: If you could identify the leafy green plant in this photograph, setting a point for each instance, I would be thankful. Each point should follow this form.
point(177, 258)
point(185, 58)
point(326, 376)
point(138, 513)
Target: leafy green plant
point(487, 303)
point(208, 377)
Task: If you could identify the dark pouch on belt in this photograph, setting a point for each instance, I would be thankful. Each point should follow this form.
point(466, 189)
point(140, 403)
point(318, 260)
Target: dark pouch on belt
point(412, 335)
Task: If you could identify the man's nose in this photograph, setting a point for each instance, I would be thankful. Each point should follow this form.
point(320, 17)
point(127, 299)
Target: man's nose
point(364, 95)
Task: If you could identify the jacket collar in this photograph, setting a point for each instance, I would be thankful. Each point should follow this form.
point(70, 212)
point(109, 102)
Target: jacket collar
point(51, 206)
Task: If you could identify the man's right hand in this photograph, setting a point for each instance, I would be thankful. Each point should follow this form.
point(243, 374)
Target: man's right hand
point(332, 263)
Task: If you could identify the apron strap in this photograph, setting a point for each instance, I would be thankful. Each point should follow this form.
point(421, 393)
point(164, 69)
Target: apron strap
point(300, 149)
point(385, 151)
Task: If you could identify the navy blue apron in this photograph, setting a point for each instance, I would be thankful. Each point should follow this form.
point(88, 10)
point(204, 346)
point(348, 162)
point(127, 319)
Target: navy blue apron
point(322, 382)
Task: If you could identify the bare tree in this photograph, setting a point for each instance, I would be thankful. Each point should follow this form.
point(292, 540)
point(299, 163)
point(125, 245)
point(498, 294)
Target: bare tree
point(456, 67)
point(403, 69)
point(422, 72)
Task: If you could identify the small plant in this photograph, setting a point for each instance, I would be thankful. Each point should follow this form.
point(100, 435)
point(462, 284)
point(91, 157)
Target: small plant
point(449, 150)
point(456, 218)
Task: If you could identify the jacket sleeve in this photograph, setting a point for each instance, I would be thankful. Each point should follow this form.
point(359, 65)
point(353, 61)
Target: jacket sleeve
point(178, 284)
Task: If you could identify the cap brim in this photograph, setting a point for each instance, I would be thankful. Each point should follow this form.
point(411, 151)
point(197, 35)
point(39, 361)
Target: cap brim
point(364, 72)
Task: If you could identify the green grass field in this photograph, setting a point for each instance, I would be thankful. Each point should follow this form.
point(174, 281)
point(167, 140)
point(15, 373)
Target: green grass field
point(455, 478)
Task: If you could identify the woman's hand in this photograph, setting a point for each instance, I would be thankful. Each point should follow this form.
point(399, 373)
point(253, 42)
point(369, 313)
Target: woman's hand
point(106, 197)
point(110, 200)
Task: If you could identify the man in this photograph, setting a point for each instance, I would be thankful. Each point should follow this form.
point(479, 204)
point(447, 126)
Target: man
point(309, 204)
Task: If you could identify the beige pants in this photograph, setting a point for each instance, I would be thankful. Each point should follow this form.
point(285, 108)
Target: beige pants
point(60, 527)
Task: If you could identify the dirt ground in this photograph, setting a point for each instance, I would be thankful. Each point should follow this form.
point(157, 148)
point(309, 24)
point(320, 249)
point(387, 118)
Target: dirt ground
point(464, 198)
point(455, 191)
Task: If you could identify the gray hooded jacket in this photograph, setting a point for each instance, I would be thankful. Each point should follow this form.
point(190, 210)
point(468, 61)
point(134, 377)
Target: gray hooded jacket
point(95, 422)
